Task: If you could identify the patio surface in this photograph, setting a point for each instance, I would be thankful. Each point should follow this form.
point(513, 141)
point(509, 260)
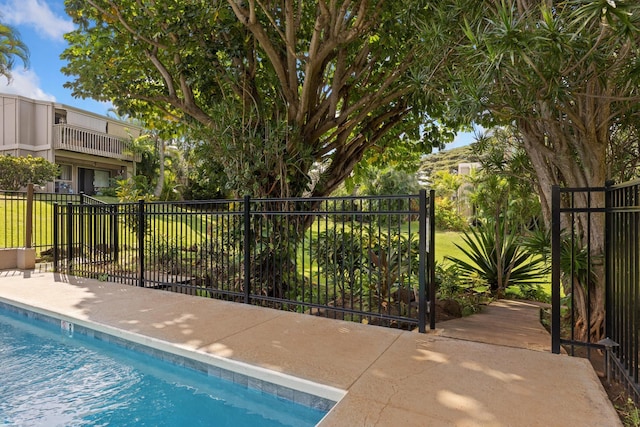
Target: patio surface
point(470, 372)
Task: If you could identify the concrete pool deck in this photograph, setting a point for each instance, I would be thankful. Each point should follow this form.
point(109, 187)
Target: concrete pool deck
point(391, 377)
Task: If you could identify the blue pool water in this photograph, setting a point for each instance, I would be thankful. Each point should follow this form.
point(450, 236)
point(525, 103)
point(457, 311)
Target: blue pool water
point(49, 378)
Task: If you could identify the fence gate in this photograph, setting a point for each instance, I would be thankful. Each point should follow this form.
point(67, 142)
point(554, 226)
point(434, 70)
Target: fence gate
point(596, 243)
point(86, 237)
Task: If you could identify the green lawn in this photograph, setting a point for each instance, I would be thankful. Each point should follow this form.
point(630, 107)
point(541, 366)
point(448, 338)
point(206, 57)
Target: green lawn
point(12, 226)
point(445, 245)
point(188, 230)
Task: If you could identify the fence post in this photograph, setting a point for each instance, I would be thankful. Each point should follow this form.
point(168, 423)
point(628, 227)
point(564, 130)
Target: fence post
point(432, 259)
point(56, 237)
point(555, 269)
point(141, 228)
point(69, 236)
point(247, 249)
point(422, 249)
point(608, 309)
point(28, 229)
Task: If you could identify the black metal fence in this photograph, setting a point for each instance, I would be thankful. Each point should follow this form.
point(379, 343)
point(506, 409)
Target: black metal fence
point(14, 206)
point(623, 281)
point(366, 259)
point(580, 216)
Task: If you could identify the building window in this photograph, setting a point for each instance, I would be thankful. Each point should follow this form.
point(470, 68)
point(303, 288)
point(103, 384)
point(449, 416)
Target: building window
point(60, 117)
point(64, 182)
point(65, 173)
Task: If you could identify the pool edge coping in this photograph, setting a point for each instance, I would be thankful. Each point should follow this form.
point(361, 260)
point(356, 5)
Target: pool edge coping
point(231, 370)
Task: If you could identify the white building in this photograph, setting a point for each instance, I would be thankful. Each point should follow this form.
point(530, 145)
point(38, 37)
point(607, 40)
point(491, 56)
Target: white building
point(89, 148)
point(465, 208)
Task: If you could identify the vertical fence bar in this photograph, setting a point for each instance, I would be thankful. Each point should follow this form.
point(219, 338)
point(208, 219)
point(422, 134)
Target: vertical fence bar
point(69, 236)
point(607, 260)
point(115, 241)
point(28, 229)
point(635, 278)
point(589, 267)
point(141, 229)
point(247, 249)
point(573, 272)
point(422, 251)
point(555, 269)
point(81, 227)
point(432, 259)
point(56, 237)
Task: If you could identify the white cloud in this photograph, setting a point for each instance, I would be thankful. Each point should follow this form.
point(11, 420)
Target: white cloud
point(37, 14)
point(25, 83)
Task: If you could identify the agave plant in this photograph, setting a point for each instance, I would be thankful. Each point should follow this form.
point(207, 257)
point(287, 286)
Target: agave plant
point(497, 256)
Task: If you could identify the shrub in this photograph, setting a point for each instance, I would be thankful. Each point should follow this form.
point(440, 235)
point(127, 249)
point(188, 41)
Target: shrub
point(17, 172)
point(447, 216)
point(499, 259)
point(449, 286)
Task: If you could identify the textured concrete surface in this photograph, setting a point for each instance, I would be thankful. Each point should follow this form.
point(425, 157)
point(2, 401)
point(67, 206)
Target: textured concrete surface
point(392, 378)
point(505, 322)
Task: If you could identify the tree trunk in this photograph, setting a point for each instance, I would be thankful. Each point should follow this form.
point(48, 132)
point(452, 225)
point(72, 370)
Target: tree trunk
point(157, 192)
point(574, 156)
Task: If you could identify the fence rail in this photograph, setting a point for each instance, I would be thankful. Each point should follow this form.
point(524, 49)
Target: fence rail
point(579, 214)
point(366, 259)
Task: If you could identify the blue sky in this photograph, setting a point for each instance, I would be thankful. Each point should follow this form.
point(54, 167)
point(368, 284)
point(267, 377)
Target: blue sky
point(41, 24)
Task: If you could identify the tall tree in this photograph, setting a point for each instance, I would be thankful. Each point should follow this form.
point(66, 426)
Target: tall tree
point(277, 86)
point(564, 72)
point(11, 47)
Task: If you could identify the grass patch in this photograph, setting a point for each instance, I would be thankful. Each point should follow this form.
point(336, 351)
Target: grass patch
point(446, 245)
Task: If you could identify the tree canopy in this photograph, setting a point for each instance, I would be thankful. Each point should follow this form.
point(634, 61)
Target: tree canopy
point(272, 87)
point(566, 73)
point(17, 172)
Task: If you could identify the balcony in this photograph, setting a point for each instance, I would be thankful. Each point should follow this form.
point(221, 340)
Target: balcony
point(79, 140)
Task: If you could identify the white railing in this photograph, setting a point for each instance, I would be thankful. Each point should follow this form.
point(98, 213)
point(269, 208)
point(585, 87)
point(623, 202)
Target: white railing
point(74, 138)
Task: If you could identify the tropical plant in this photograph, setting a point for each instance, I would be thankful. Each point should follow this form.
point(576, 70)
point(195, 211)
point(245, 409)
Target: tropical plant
point(624, 153)
point(447, 216)
point(451, 286)
point(130, 191)
point(504, 186)
point(375, 268)
point(342, 256)
point(11, 47)
point(393, 266)
point(446, 184)
point(497, 258)
point(165, 254)
point(564, 72)
point(385, 182)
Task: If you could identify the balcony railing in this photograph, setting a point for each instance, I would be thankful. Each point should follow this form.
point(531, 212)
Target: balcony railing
point(74, 138)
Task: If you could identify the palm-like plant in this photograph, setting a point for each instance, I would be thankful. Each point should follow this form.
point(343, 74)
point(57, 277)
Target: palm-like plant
point(11, 47)
point(497, 257)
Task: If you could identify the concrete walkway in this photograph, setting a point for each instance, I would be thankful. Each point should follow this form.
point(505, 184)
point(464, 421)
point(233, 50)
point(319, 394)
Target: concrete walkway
point(391, 377)
point(507, 323)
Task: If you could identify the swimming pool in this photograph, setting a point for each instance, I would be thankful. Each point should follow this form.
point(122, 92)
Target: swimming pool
point(51, 375)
